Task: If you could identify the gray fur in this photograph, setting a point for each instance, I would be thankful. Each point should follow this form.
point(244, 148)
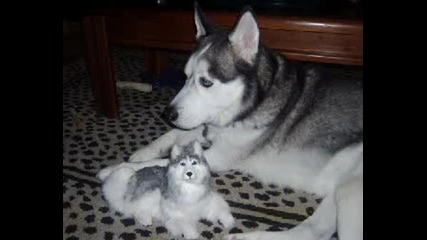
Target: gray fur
point(146, 180)
point(188, 151)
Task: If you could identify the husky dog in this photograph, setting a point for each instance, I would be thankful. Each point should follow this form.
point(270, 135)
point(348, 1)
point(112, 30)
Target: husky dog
point(280, 121)
point(178, 195)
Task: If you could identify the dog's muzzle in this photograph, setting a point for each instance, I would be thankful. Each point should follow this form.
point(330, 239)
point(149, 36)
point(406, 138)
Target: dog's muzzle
point(170, 114)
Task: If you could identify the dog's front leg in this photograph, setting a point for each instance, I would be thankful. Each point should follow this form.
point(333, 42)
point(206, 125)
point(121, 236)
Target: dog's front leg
point(350, 209)
point(219, 160)
point(161, 146)
point(217, 209)
point(223, 157)
point(320, 226)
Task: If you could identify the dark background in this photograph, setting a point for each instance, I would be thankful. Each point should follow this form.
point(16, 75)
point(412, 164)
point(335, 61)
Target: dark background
point(76, 9)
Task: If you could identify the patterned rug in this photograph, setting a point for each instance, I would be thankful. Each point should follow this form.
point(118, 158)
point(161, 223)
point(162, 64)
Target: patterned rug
point(92, 142)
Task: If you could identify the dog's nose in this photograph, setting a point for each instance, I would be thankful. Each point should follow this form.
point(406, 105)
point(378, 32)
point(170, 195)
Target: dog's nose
point(170, 113)
point(189, 174)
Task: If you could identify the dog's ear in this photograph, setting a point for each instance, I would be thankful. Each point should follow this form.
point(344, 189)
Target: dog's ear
point(175, 152)
point(203, 25)
point(245, 36)
point(197, 148)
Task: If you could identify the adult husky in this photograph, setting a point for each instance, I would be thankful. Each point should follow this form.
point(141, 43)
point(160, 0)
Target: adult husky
point(266, 116)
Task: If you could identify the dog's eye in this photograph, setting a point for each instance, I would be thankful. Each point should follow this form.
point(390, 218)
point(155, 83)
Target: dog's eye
point(182, 164)
point(194, 163)
point(205, 83)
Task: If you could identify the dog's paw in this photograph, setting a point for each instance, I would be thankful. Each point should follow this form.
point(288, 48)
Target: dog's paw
point(142, 155)
point(256, 235)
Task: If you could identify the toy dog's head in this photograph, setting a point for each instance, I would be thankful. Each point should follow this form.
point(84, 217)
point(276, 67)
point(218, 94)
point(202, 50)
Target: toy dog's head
point(187, 164)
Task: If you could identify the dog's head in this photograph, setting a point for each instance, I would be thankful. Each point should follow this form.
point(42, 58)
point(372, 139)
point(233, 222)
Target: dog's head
point(219, 72)
point(188, 164)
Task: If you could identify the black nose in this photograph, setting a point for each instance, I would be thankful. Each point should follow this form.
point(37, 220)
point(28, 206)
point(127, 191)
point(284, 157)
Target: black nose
point(189, 174)
point(170, 113)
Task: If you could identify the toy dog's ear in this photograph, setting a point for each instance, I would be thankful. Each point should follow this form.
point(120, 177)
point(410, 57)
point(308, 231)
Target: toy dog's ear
point(197, 148)
point(176, 151)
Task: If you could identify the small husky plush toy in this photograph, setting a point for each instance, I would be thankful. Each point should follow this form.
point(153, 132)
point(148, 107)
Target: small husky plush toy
point(178, 195)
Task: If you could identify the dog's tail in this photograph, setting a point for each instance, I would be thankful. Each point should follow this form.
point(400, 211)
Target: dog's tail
point(115, 188)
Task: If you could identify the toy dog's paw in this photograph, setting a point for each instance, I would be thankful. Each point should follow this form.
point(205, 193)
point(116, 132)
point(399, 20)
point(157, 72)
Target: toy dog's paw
point(191, 234)
point(144, 220)
point(227, 220)
point(173, 229)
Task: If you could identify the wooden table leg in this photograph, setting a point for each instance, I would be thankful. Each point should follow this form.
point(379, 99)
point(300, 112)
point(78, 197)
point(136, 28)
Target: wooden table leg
point(155, 60)
point(100, 66)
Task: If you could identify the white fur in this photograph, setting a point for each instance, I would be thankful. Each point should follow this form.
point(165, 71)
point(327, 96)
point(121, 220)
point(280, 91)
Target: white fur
point(230, 145)
point(349, 199)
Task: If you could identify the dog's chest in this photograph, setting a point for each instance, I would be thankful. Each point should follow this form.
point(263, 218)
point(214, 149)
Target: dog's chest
point(236, 134)
point(191, 193)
